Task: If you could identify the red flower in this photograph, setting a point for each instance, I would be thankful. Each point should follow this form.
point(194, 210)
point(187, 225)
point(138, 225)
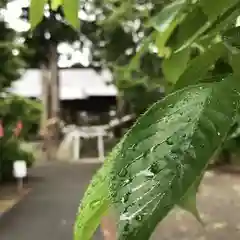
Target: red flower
point(1, 129)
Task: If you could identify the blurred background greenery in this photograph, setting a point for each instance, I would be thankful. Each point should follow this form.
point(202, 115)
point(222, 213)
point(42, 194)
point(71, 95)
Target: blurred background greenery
point(117, 35)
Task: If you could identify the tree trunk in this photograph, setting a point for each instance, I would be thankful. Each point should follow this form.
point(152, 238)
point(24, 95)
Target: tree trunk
point(54, 82)
point(46, 103)
point(45, 96)
point(55, 102)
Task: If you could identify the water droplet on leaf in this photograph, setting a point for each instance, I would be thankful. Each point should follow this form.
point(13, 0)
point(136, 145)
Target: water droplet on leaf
point(154, 168)
point(123, 172)
point(175, 151)
point(125, 210)
point(125, 197)
point(126, 182)
point(138, 217)
point(146, 173)
point(153, 148)
point(169, 142)
point(95, 203)
point(114, 194)
point(133, 146)
point(126, 227)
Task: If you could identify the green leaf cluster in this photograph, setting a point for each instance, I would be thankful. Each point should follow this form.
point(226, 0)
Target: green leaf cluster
point(70, 8)
point(161, 160)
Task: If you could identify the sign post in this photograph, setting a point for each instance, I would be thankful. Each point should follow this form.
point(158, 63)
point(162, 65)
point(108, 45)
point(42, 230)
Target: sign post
point(20, 172)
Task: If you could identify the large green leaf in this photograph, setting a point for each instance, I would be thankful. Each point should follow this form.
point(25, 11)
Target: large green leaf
point(71, 9)
point(166, 21)
point(166, 151)
point(96, 200)
point(232, 37)
point(201, 19)
point(227, 20)
point(191, 27)
point(94, 204)
point(216, 8)
point(162, 20)
point(198, 67)
point(235, 61)
point(36, 12)
point(189, 200)
point(174, 66)
point(55, 4)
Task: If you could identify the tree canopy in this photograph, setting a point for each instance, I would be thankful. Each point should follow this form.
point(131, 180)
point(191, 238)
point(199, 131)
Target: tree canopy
point(11, 50)
point(99, 31)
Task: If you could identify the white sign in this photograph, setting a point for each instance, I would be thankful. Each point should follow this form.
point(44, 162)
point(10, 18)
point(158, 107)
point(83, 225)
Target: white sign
point(20, 169)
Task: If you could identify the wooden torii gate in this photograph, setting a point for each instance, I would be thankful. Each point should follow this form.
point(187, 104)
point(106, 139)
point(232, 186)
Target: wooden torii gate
point(77, 134)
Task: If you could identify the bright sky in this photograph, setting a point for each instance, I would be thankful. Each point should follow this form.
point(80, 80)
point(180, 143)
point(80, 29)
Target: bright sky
point(69, 55)
point(13, 13)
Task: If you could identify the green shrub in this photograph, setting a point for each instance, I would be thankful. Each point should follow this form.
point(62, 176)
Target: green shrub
point(14, 108)
point(11, 151)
